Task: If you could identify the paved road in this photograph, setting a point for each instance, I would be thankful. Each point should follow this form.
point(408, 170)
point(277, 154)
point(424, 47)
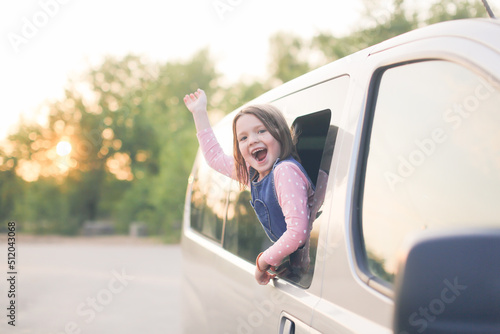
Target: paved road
point(92, 286)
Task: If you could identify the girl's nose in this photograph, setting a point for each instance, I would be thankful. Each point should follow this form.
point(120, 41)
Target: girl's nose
point(253, 138)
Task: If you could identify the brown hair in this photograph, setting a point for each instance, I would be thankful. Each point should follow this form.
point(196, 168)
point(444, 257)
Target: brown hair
point(275, 123)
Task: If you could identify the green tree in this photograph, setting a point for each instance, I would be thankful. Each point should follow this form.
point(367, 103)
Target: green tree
point(446, 10)
point(380, 23)
point(10, 187)
point(376, 28)
point(288, 56)
point(132, 140)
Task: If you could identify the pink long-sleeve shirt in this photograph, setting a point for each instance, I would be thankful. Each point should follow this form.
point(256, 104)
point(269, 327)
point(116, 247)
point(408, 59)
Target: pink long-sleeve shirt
point(294, 192)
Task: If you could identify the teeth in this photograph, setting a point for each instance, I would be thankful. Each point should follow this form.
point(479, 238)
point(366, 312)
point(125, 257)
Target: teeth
point(257, 151)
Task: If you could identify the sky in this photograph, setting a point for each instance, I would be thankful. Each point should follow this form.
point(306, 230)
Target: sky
point(44, 43)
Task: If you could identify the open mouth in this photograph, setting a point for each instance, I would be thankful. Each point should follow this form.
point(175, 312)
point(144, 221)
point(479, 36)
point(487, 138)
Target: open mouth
point(260, 154)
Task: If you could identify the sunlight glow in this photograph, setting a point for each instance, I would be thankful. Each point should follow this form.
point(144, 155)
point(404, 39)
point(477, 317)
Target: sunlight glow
point(63, 148)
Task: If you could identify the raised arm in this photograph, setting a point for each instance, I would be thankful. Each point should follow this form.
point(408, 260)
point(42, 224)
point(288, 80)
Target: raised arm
point(212, 151)
point(197, 104)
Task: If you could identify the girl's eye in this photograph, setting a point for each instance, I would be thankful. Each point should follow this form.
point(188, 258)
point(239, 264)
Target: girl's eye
point(262, 131)
point(243, 138)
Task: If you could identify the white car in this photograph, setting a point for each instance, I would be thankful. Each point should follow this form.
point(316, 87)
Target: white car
point(403, 142)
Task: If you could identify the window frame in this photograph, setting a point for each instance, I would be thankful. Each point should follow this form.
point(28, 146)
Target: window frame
point(356, 225)
point(316, 117)
point(361, 265)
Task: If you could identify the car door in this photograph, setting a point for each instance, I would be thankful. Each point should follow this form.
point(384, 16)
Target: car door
point(419, 152)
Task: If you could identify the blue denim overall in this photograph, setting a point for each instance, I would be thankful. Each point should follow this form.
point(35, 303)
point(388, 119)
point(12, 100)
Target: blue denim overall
point(265, 201)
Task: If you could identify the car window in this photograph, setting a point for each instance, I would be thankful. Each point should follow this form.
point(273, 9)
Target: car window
point(316, 133)
point(243, 235)
point(432, 157)
point(208, 201)
point(209, 192)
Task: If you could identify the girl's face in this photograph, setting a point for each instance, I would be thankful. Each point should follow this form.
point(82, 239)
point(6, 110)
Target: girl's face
point(257, 146)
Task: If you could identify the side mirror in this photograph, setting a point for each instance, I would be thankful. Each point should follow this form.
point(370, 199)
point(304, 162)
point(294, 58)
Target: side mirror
point(449, 282)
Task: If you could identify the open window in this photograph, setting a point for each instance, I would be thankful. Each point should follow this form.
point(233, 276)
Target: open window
point(315, 140)
point(310, 134)
point(243, 234)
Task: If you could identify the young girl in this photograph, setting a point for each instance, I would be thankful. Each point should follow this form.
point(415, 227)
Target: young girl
point(265, 159)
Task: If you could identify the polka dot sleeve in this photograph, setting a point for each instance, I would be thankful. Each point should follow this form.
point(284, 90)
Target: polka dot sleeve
point(294, 191)
point(213, 153)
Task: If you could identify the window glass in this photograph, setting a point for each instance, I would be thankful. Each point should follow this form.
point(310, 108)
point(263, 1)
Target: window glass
point(433, 159)
point(208, 201)
point(243, 235)
point(210, 191)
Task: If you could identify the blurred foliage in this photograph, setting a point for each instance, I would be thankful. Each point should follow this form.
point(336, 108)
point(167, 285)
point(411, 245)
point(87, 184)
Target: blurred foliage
point(133, 141)
point(447, 10)
point(288, 57)
point(132, 148)
point(380, 23)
